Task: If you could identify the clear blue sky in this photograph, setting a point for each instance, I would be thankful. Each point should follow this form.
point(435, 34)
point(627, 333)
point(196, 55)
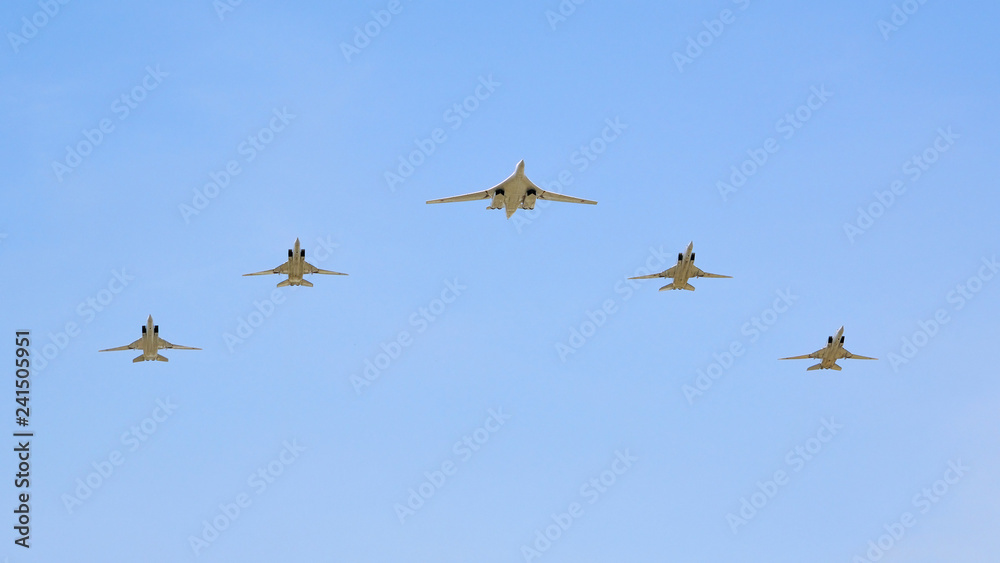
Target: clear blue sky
point(308, 128)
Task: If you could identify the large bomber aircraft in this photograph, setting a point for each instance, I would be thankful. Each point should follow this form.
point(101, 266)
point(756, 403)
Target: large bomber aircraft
point(829, 355)
point(150, 343)
point(516, 192)
point(295, 268)
point(682, 272)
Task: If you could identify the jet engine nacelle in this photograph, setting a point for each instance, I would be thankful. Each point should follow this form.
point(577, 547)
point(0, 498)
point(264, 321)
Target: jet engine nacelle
point(156, 329)
point(144, 329)
point(680, 256)
point(841, 339)
point(529, 199)
point(302, 253)
point(498, 199)
point(692, 256)
point(829, 340)
point(289, 252)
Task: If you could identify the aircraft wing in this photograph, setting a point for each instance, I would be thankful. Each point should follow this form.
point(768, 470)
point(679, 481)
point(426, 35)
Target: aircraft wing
point(698, 273)
point(164, 344)
point(310, 269)
point(855, 356)
point(475, 196)
point(815, 354)
point(669, 273)
point(552, 196)
point(282, 269)
point(133, 346)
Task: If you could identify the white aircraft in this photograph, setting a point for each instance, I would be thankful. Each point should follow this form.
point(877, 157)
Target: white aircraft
point(295, 268)
point(516, 192)
point(682, 272)
point(829, 355)
point(150, 343)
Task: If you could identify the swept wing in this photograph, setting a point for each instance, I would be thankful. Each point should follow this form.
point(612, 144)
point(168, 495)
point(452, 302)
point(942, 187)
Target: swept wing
point(282, 269)
point(668, 273)
point(552, 196)
point(133, 346)
point(475, 196)
point(855, 356)
point(816, 354)
point(164, 344)
point(310, 269)
point(698, 273)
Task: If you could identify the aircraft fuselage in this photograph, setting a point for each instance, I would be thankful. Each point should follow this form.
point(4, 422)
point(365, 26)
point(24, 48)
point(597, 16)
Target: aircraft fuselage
point(296, 264)
point(150, 350)
point(516, 192)
point(685, 266)
point(833, 351)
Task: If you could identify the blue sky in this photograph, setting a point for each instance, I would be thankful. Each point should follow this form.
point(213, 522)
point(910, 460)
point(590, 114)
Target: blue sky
point(529, 404)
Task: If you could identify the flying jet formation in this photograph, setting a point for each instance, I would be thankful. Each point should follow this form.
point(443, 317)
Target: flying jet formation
point(150, 343)
point(516, 192)
point(829, 355)
point(682, 272)
point(295, 268)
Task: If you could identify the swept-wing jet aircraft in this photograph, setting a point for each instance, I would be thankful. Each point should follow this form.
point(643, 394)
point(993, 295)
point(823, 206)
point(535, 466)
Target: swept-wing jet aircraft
point(829, 355)
point(295, 268)
point(150, 343)
point(516, 192)
point(682, 272)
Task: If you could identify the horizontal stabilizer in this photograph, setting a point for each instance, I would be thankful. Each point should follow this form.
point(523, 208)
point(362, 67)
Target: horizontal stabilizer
point(674, 285)
point(285, 283)
point(160, 358)
point(140, 358)
point(306, 283)
point(817, 366)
